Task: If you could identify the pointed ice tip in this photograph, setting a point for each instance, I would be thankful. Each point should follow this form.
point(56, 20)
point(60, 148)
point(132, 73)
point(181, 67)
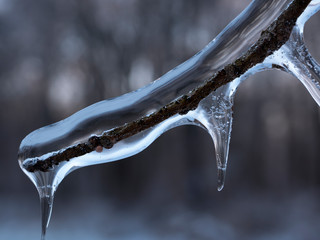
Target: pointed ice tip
point(221, 178)
point(46, 210)
point(220, 187)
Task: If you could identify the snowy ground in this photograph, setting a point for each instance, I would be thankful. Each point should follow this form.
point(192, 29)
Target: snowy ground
point(245, 216)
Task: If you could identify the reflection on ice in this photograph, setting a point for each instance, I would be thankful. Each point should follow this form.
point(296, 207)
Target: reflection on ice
point(214, 113)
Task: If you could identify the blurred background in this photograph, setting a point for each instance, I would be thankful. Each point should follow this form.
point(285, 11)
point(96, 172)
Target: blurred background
point(57, 57)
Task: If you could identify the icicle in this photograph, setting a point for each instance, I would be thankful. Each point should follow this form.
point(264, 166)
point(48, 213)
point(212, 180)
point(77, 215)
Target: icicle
point(215, 115)
point(46, 184)
point(46, 202)
point(294, 57)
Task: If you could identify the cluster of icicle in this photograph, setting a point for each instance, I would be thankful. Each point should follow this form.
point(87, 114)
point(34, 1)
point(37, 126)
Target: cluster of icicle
point(214, 113)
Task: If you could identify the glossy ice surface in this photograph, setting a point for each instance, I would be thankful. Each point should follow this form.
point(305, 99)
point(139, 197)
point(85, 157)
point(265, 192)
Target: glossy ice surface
point(214, 113)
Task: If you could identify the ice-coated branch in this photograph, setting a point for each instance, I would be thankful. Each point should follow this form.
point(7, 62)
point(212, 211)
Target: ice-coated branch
point(271, 39)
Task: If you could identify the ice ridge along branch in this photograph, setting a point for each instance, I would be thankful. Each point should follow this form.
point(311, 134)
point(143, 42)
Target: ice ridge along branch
point(271, 39)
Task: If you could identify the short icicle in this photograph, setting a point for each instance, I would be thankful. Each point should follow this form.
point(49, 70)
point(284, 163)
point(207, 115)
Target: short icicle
point(294, 57)
point(215, 115)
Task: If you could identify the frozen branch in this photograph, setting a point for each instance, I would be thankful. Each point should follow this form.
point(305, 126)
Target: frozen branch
point(271, 39)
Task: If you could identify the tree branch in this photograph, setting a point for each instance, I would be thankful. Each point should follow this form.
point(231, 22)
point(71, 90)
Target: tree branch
point(270, 40)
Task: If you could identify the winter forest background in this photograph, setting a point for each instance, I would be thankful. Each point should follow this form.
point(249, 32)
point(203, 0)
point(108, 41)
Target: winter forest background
point(57, 57)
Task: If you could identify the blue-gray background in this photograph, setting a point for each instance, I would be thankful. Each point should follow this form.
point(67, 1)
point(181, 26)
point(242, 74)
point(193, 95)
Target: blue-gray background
point(57, 57)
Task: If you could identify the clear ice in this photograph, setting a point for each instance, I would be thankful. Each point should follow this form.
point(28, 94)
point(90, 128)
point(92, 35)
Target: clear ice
point(214, 113)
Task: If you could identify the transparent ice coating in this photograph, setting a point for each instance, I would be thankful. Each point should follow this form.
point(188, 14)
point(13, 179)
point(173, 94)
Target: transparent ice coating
point(214, 113)
point(237, 37)
point(294, 58)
